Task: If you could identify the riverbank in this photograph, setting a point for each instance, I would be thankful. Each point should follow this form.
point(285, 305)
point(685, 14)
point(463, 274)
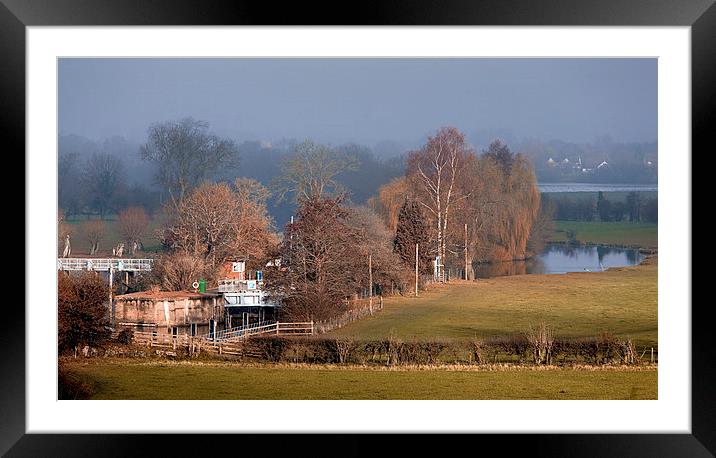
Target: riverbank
point(621, 235)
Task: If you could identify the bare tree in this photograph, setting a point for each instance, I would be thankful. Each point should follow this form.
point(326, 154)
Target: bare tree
point(94, 231)
point(311, 171)
point(216, 223)
point(81, 313)
point(186, 154)
point(374, 241)
point(435, 170)
point(255, 237)
point(320, 259)
point(177, 271)
point(102, 177)
point(133, 223)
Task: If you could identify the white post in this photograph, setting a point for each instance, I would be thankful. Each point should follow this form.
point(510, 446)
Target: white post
point(466, 251)
point(111, 299)
point(370, 285)
point(416, 270)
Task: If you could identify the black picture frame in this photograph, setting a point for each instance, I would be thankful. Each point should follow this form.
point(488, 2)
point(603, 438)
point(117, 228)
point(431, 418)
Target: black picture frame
point(16, 15)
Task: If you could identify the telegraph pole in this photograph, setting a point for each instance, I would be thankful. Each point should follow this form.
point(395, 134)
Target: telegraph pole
point(465, 251)
point(416, 270)
point(370, 281)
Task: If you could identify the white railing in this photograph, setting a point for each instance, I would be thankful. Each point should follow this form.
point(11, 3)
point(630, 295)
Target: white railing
point(259, 328)
point(242, 331)
point(104, 264)
point(238, 286)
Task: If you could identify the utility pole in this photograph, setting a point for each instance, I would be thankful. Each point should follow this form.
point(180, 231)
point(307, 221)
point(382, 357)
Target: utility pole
point(111, 299)
point(466, 251)
point(416, 270)
point(370, 281)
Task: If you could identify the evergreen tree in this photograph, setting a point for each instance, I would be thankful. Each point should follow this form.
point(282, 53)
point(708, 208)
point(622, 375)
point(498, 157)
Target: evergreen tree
point(604, 207)
point(412, 229)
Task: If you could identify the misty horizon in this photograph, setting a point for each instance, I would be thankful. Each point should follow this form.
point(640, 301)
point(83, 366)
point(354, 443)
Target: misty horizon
point(390, 105)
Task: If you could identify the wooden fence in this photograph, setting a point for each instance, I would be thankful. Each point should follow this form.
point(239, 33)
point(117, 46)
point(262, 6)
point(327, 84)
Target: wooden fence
point(359, 309)
point(222, 343)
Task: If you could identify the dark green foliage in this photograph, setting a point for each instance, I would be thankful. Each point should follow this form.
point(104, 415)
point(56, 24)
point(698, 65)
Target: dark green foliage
point(501, 154)
point(411, 230)
point(603, 207)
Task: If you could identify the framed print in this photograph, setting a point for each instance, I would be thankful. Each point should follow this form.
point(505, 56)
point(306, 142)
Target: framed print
point(424, 218)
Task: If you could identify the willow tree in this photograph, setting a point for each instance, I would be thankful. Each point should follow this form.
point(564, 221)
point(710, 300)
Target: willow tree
point(508, 203)
point(389, 200)
point(434, 172)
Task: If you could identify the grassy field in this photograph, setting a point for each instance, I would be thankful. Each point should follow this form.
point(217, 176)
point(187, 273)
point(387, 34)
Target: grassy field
point(112, 236)
point(620, 301)
point(122, 379)
point(632, 234)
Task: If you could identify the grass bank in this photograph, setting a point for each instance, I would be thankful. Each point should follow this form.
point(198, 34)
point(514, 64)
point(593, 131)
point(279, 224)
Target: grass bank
point(130, 379)
point(644, 235)
point(620, 301)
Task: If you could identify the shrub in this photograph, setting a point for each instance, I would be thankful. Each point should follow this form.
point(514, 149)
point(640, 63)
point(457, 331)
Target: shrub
point(268, 348)
point(125, 336)
point(82, 315)
point(541, 341)
point(345, 349)
point(477, 351)
point(391, 346)
point(432, 350)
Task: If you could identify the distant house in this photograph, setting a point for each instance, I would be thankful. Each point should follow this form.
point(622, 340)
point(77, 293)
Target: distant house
point(603, 164)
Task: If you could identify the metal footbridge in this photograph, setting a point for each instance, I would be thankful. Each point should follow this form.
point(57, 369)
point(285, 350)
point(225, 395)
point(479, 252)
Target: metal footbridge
point(105, 264)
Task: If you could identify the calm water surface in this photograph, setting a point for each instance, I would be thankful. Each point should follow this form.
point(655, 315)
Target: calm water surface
point(595, 187)
point(559, 259)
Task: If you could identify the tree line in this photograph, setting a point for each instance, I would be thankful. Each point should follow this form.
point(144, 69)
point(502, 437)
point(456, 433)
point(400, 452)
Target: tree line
point(455, 204)
point(636, 207)
point(475, 207)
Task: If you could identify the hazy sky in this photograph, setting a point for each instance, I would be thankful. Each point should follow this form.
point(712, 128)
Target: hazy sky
point(363, 100)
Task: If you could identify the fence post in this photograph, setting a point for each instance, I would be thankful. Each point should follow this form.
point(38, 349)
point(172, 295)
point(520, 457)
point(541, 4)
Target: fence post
point(311, 327)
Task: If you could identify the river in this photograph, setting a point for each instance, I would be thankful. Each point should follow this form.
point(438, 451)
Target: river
point(561, 258)
point(596, 187)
